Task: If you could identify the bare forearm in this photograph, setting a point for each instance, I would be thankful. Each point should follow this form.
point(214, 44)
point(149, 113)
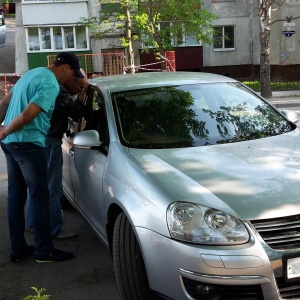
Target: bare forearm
point(4, 106)
point(30, 112)
point(16, 124)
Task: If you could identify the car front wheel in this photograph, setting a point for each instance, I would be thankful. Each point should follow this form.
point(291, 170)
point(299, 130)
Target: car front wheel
point(129, 265)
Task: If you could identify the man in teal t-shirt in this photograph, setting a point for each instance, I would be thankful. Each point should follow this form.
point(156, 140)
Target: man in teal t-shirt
point(26, 112)
point(38, 86)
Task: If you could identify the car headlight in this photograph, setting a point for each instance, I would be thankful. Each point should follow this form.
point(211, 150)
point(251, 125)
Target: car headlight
point(197, 224)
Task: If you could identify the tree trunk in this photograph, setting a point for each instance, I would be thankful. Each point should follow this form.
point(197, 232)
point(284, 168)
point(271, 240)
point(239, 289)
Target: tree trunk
point(265, 68)
point(129, 40)
point(156, 34)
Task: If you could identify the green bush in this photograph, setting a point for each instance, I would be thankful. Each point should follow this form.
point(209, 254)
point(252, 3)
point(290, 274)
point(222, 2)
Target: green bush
point(275, 86)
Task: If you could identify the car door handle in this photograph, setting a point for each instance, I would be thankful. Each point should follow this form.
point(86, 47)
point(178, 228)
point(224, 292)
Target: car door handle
point(72, 152)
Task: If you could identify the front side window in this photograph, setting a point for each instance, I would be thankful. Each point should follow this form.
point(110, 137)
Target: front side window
point(223, 37)
point(194, 115)
point(94, 114)
point(57, 38)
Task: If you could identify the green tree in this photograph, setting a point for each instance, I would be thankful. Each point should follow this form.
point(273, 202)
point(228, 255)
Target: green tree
point(157, 23)
point(265, 22)
point(165, 23)
point(115, 18)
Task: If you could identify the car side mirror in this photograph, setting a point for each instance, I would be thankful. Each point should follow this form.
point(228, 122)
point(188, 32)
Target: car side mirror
point(88, 139)
point(290, 115)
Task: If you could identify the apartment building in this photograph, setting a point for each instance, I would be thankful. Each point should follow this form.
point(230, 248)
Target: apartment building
point(46, 27)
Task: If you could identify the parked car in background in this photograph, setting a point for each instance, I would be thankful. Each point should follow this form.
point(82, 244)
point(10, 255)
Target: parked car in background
point(193, 182)
point(2, 30)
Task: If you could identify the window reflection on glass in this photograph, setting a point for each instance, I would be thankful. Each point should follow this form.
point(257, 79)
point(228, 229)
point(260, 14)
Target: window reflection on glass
point(218, 37)
point(229, 37)
point(68, 37)
point(33, 39)
point(57, 38)
point(58, 43)
point(194, 115)
point(46, 37)
point(224, 37)
point(81, 37)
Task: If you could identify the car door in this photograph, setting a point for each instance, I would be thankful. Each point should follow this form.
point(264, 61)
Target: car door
point(87, 167)
point(2, 30)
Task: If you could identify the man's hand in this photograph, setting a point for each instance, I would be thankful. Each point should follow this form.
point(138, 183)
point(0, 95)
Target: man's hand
point(28, 114)
point(2, 134)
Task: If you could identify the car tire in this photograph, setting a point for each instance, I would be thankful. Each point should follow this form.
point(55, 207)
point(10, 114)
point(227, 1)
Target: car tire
point(128, 262)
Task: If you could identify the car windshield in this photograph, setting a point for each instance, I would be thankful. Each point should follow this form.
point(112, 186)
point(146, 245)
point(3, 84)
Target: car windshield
point(194, 115)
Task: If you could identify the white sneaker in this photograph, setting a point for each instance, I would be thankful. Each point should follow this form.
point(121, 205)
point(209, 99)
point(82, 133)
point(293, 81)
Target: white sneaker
point(65, 235)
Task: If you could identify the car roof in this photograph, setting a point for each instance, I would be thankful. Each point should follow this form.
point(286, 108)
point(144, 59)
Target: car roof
point(118, 83)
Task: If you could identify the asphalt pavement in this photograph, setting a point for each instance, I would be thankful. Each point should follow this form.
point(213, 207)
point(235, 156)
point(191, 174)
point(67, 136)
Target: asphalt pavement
point(7, 53)
point(96, 271)
point(286, 100)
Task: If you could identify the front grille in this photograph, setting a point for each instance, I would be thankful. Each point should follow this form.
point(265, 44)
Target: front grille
point(289, 290)
point(280, 233)
point(223, 292)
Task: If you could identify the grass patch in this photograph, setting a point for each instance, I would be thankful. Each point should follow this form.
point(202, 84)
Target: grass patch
point(275, 86)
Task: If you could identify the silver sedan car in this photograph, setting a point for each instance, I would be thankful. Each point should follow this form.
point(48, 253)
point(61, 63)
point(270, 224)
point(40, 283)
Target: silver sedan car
point(193, 182)
point(2, 30)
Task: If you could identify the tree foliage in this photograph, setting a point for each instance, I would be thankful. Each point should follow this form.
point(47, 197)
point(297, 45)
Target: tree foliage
point(161, 24)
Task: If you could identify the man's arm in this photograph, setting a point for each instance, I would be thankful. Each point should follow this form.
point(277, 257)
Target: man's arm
point(4, 106)
point(29, 113)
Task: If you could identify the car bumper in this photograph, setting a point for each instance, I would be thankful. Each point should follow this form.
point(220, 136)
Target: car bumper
point(183, 271)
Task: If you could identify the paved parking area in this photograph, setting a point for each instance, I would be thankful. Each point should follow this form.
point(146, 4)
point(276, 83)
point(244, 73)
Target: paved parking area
point(7, 53)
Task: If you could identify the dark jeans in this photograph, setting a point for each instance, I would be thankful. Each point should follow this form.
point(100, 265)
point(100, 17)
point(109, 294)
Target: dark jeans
point(55, 162)
point(27, 169)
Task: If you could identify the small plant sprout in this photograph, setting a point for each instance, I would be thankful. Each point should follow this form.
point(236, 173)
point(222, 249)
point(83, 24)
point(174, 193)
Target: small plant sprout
point(38, 295)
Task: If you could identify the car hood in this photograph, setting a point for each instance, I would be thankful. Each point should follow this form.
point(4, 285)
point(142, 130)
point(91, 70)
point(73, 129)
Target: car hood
point(251, 180)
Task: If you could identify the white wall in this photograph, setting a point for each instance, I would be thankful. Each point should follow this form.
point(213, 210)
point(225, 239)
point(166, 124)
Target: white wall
point(21, 48)
point(242, 15)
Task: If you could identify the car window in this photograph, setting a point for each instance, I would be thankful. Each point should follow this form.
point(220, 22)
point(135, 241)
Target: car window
point(194, 115)
point(94, 114)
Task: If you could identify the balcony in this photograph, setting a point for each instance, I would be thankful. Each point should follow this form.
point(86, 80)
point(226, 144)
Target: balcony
point(52, 12)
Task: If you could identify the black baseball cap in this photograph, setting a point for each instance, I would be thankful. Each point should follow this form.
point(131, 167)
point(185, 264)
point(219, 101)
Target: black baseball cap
point(72, 60)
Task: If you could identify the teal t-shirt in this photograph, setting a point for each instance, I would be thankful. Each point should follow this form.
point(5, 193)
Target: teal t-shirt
point(39, 86)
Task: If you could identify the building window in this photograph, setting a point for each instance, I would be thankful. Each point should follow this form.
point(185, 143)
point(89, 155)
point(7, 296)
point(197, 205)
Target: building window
point(111, 7)
point(223, 37)
point(57, 38)
point(180, 39)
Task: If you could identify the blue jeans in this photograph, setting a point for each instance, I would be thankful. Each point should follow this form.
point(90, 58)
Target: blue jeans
point(55, 162)
point(27, 171)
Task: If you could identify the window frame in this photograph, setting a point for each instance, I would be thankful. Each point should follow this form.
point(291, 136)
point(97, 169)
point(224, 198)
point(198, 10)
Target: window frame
point(52, 48)
point(174, 39)
point(223, 38)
